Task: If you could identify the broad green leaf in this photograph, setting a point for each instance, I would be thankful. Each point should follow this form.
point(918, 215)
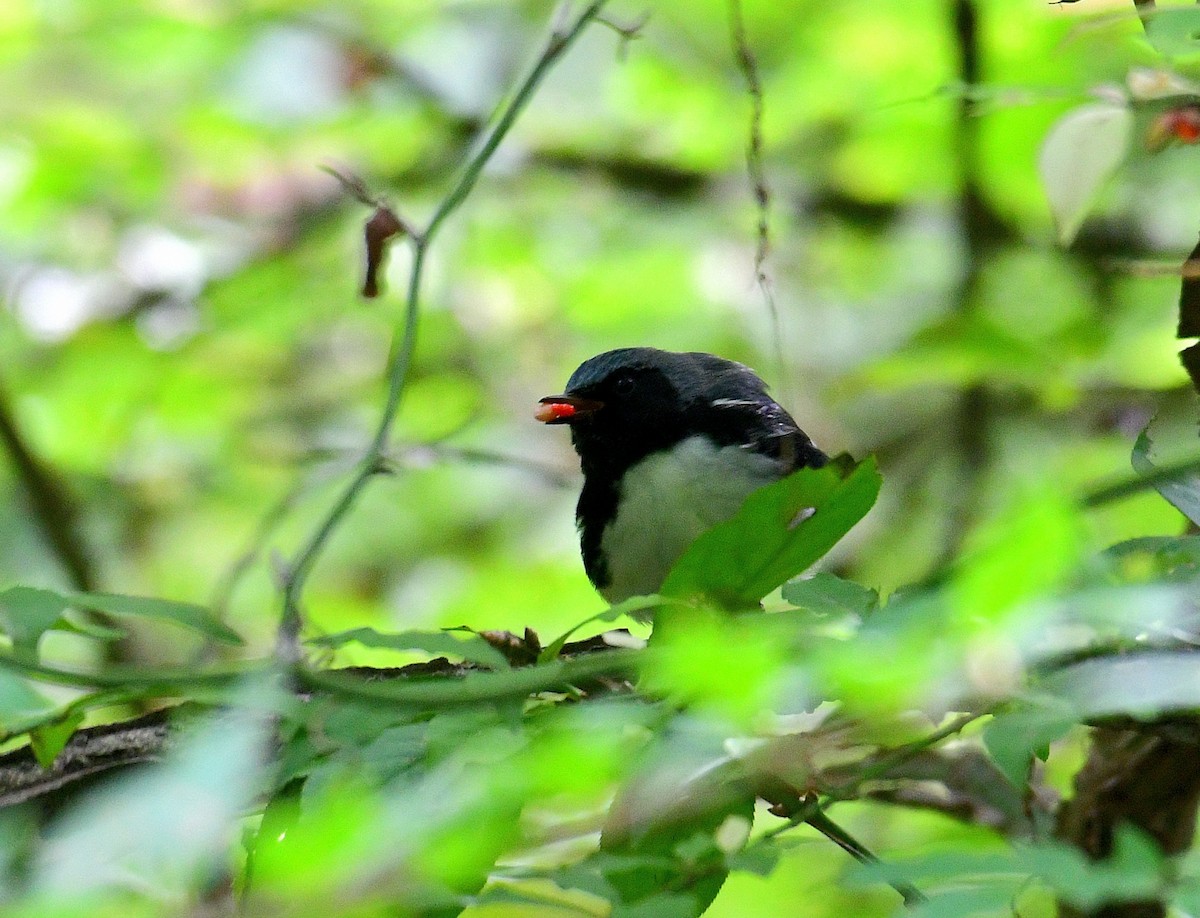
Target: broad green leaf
point(27, 613)
point(779, 532)
point(1181, 492)
point(437, 643)
point(1080, 153)
point(1013, 737)
point(187, 614)
point(826, 594)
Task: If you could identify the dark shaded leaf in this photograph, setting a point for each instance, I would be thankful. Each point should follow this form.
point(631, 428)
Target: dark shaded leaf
point(1190, 358)
point(1183, 492)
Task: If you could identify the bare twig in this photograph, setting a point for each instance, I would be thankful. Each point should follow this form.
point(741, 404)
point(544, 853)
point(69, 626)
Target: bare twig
point(404, 343)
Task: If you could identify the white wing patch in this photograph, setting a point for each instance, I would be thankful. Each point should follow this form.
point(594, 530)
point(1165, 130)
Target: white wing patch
point(667, 500)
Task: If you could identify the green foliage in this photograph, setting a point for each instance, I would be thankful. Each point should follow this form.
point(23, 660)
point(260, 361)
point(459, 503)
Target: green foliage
point(793, 523)
point(221, 421)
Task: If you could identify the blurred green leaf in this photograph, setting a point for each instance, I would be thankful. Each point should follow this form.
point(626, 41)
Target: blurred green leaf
point(1014, 736)
point(1174, 32)
point(168, 825)
point(1080, 153)
point(780, 531)
point(1138, 684)
point(826, 594)
point(27, 613)
point(49, 739)
point(1027, 551)
point(435, 643)
point(20, 706)
point(187, 614)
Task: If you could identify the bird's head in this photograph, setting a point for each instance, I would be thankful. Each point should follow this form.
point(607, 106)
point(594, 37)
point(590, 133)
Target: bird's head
point(625, 404)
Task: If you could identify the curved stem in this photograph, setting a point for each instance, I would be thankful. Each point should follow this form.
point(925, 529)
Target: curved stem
point(295, 577)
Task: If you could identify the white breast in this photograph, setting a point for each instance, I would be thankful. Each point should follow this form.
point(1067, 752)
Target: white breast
point(667, 500)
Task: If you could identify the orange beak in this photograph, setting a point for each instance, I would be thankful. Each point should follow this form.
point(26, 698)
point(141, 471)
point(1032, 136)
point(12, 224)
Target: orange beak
point(563, 409)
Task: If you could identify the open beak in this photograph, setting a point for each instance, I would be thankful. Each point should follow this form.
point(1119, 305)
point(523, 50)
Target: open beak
point(563, 409)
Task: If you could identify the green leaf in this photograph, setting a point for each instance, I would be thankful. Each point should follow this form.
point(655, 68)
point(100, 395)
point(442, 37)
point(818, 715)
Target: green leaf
point(1080, 153)
point(1013, 737)
point(1026, 552)
point(1174, 32)
point(49, 739)
point(779, 532)
point(27, 613)
point(1182, 492)
point(187, 614)
point(20, 706)
point(436, 643)
point(1141, 684)
point(826, 594)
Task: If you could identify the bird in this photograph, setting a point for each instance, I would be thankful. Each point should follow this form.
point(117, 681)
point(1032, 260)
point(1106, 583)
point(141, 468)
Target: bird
point(670, 444)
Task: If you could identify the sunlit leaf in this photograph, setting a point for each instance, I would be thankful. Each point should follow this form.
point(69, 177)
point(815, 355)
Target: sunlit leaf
point(1080, 153)
point(436, 643)
point(1024, 552)
point(49, 739)
point(779, 532)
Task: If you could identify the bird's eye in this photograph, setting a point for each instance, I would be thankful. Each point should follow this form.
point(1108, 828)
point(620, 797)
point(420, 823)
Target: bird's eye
point(624, 384)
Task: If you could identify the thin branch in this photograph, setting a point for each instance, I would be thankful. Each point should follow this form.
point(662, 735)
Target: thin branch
point(404, 344)
point(479, 686)
point(748, 65)
point(150, 681)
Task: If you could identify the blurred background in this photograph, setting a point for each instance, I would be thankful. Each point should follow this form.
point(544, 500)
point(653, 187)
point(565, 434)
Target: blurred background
point(187, 372)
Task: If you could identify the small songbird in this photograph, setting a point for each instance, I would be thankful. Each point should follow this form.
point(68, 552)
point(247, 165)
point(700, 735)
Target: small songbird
point(670, 444)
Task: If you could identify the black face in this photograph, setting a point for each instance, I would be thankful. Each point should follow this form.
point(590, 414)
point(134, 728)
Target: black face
point(639, 413)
